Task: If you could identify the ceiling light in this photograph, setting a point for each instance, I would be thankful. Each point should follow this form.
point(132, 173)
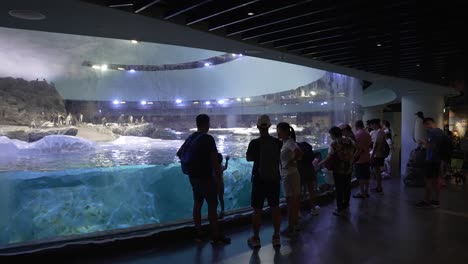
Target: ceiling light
point(247, 99)
point(250, 13)
point(311, 102)
point(120, 69)
point(123, 102)
point(325, 103)
point(134, 41)
point(178, 101)
point(238, 99)
point(149, 102)
point(379, 45)
point(196, 102)
point(207, 102)
point(115, 102)
point(417, 65)
point(131, 70)
point(27, 14)
point(104, 67)
point(96, 67)
point(207, 64)
point(240, 55)
point(221, 101)
point(313, 93)
point(234, 55)
point(143, 102)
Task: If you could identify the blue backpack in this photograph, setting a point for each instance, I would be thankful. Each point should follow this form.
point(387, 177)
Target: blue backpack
point(187, 154)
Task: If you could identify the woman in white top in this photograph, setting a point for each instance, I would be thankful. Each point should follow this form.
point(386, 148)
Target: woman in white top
point(290, 154)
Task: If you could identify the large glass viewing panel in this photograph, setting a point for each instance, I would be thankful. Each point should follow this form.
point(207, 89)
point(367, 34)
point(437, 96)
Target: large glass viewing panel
point(89, 127)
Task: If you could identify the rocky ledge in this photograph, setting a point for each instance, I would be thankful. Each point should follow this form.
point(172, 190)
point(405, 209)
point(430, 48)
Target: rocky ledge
point(32, 135)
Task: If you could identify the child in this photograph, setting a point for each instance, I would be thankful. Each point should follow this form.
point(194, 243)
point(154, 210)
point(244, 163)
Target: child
point(220, 181)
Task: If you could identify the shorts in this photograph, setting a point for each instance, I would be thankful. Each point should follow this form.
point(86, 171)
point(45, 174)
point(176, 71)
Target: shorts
point(362, 171)
point(432, 169)
point(292, 185)
point(262, 190)
point(204, 189)
point(378, 162)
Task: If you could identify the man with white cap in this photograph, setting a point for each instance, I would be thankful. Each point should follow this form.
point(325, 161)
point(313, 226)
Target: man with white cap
point(266, 182)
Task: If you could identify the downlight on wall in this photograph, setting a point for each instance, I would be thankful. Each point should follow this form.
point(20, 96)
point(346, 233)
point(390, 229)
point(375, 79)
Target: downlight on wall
point(27, 14)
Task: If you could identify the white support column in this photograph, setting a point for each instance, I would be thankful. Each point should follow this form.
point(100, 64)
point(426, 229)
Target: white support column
point(431, 106)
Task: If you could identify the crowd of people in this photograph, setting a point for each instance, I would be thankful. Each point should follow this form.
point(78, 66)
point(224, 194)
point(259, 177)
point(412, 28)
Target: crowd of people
point(281, 160)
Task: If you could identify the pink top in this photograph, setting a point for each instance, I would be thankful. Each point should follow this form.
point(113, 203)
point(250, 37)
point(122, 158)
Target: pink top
point(363, 141)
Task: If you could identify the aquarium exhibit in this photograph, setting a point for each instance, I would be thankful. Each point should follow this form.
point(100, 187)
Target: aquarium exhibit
point(89, 127)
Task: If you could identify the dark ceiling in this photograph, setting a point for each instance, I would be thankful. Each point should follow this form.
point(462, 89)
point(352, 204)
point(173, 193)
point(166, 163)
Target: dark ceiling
point(417, 40)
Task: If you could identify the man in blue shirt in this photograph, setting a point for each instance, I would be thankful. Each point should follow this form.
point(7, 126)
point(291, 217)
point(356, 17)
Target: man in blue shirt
point(434, 144)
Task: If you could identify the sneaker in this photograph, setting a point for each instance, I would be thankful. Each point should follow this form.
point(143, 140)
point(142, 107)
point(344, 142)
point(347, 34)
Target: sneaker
point(254, 243)
point(221, 241)
point(276, 241)
point(435, 204)
point(423, 205)
point(315, 211)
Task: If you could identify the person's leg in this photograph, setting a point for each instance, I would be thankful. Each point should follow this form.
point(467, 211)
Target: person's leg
point(378, 176)
point(256, 223)
point(347, 191)
point(312, 188)
point(276, 217)
point(273, 197)
point(428, 189)
point(197, 205)
point(339, 186)
point(221, 196)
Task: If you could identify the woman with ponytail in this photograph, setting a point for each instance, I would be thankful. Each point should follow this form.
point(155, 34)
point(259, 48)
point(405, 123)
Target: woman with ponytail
point(290, 154)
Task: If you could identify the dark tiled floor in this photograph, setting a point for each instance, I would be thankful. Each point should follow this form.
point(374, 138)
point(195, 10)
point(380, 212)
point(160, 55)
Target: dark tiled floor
point(384, 229)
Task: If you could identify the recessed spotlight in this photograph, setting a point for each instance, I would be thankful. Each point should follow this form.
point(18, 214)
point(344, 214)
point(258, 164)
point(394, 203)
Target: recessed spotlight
point(247, 99)
point(207, 102)
point(123, 102)
point(132, 70)
point(238, 100)
point(143, 102)
point(150, 103)
point(379, 45)
point(417, 65)
point(115, 102)
point(233, 54)
point(196, 102)
point(311, 102)
point(97, 67)
point(240, 55)
point(325, 103)
point(27, 14)
point(178, 101)
point(313, 93)
point(250, 13)
point(104, 67)
point(443, 77)
point(222, 101)
point(207, 64)
point(134, 41)
point(120, 69)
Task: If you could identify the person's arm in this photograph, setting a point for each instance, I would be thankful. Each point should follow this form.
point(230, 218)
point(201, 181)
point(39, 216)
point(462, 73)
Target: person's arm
point(227, 162)
point(297, 154)
point(329, 156)
point(252, 151)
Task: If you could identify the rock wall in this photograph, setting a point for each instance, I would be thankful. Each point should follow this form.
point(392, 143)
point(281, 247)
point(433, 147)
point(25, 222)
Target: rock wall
point(24, 101)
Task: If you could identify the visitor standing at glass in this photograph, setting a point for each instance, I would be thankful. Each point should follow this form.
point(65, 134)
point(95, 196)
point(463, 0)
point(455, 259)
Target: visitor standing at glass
point(340, 157)
point(362, 164)
point(220, 182)
point(378, 154)
point(199, 158)
point(266, 182)
point(387, 172)
point(290, 154)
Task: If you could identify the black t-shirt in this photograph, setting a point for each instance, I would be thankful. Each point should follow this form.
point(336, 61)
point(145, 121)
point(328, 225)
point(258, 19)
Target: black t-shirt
point(265, 153)
point(204, 146)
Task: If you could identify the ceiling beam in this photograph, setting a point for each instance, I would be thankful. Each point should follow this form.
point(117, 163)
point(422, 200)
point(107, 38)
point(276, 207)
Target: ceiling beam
point(146, 6)
point(197, 20)
point(258, 15)
point(303, 34)
point(282, 21)
point(187, 9)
